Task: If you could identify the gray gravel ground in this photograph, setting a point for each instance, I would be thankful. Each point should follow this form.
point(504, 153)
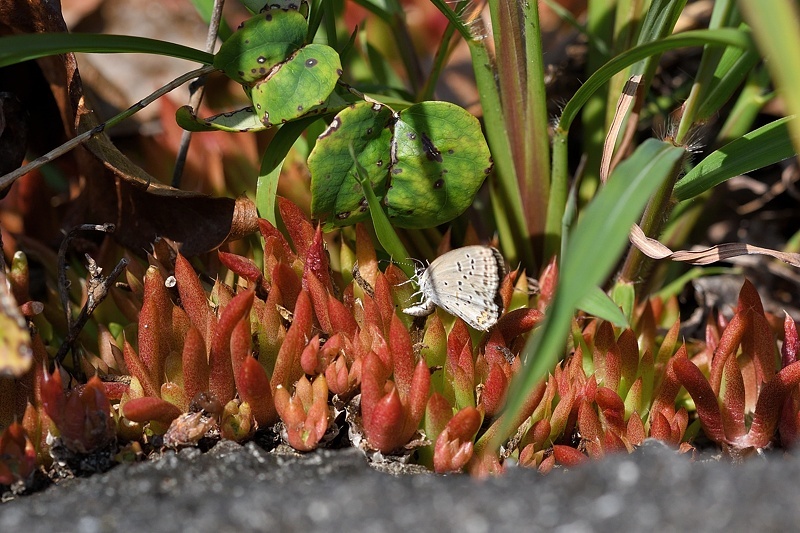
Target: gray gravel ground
point(243, 488)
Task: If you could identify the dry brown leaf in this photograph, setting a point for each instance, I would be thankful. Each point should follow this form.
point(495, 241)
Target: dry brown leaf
point(655, 250)
point(113, 189)
point(631, 96)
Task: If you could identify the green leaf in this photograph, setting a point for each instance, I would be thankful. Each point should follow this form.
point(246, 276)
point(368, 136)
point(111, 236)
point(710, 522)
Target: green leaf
point(593, 249)
point(18, 48)
point(778, 37)
point(721, 37)
point(383, 228)
point(732, 70)
point(272, 162)
point(260, 43)
point(255, 6)
point(336, 195)
point(761, 147)
point(440, 161)
point(438, 156)
point(299, 86)
point(597, 303)
point(241, 120)
point(623, 294)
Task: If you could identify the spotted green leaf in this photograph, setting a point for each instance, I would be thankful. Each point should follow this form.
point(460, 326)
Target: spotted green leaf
point(260, 43)
point(299, 86)
point(440, 160)
point(337, 198)
point(241, 120)
point(256, 6)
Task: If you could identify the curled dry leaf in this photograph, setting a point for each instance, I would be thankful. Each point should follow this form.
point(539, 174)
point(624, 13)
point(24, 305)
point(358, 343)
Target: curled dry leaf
point(655, 250)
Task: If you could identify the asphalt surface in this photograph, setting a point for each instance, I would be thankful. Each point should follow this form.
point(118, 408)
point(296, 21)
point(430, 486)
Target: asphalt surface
point(244, 488)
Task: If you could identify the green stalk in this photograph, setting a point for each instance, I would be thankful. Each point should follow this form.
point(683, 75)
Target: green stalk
point(600, 24)
point(514, 235)
point(536, 140)
point(653, 219)
point(777, 32)
point(723, 11)
point(559, 187)
point(747, 106)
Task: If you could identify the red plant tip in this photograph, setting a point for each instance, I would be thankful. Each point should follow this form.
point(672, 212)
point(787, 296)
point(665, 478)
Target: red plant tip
point(82, 415)
point(494, 391)
point(454, 446)
point(254, 388)
point(791, 342)
point(244, 268)
point(309, 358)
point(305, 413)
point(547, 284)
point(568, 456)
point(53, 396)
point(384, 424)
point(517, 322)
point(299, 228)
point(148, 409)
point(342, 380)
point(17, 455)
point(389, 418)
point(269, 231)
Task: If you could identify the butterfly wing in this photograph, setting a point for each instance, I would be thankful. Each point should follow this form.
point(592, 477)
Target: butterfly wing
point(465, 283)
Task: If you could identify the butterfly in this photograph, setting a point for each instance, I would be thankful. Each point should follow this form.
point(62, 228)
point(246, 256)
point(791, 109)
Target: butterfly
point(465, 283)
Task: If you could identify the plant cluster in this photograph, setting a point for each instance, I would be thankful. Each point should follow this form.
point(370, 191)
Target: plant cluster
point(299, 333)
point(299, 351)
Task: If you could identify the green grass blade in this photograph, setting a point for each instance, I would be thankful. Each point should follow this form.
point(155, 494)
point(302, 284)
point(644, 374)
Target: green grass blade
point(599, 304)
point(777, 31)
point(766, 145)
point(732, 71)
point(721, 37)
point(593, 250)
point(724, 12)
point(272, 162)
point(386, 234)
point(17, 48)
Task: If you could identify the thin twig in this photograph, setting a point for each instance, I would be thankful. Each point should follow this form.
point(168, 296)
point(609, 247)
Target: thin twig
point(98, 290)
point(11, 177)
point(197, 89)
point(97, 287)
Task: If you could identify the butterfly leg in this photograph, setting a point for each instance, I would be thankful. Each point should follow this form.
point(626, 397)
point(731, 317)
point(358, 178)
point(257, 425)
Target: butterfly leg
point(424, 308)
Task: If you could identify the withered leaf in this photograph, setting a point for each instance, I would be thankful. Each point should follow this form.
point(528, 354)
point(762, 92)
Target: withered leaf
point(114, 189)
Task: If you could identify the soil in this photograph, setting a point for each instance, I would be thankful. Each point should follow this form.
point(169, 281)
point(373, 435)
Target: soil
point(244, 488)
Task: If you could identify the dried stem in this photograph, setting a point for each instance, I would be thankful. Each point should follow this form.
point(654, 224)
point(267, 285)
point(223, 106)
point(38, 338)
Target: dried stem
point(97, 288)
point(197, 89)
point(11, 177)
